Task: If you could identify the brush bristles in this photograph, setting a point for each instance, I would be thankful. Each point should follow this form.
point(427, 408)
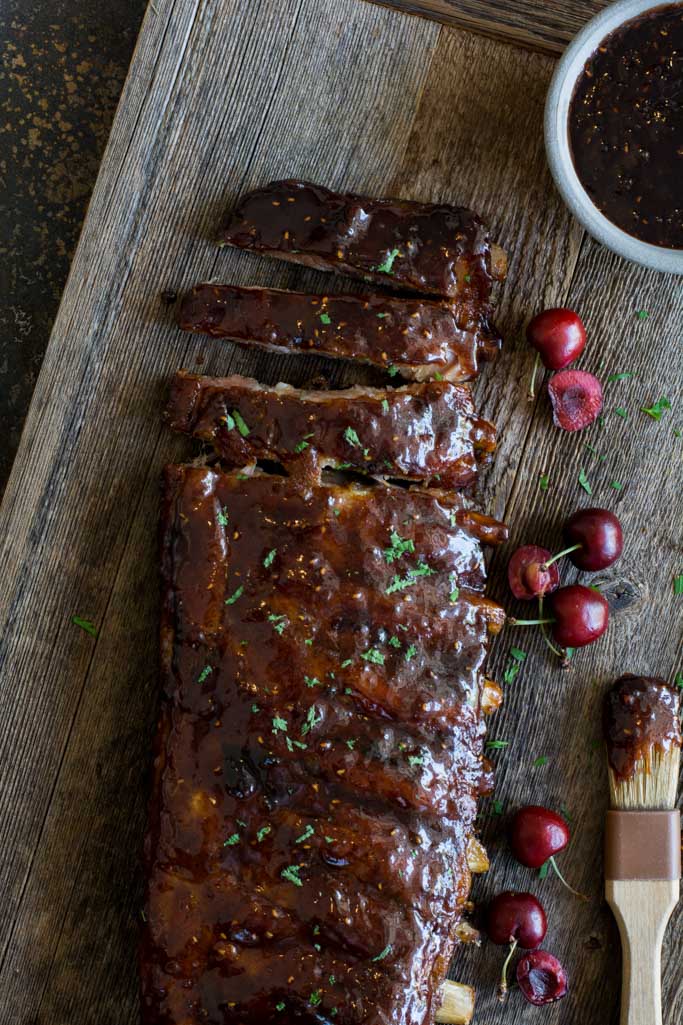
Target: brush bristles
point(653, 786)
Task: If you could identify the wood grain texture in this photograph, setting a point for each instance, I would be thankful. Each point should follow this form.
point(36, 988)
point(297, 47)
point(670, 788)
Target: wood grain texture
point(547, 27)
point(224, 95)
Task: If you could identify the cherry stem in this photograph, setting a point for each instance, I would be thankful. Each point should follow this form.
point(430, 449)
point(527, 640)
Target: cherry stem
point(532, 393)
point(530, 622)
point(581, 896)
point(503, 988)
point(544, 565)
point(546, 635)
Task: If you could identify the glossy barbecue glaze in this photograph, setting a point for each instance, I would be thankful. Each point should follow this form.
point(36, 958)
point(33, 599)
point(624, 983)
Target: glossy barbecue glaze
point(413, 338)
point(431, 248)
point(424, 432)
point(642, 716)
point(320, 750)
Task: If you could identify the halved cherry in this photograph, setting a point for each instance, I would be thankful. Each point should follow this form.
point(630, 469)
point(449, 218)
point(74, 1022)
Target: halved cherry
point(576, 398)
point(541, 978)
point(558, 336)
point(527, 575)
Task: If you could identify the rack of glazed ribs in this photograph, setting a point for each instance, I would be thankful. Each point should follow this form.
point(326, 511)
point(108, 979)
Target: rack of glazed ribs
point(323, 637)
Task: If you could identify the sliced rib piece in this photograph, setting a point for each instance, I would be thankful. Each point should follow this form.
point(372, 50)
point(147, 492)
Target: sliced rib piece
point(422, 432)
point(414, 338)
point(320, 751)
point(432, 248)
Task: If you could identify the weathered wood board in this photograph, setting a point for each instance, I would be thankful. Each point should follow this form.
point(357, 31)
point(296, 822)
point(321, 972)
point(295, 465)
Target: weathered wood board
point(222, 95)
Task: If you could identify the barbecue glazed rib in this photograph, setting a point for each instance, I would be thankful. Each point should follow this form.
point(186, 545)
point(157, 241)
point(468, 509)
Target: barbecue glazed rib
point(432, 248)
point(415, 338)
point(422, 432)
point(320, 750)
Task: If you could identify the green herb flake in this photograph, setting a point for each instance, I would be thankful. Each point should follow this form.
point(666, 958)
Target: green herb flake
point(415, 760)
point(517, 654)
point(240, 424)
point(656, 411)
point(291, 874)
point(455, 590)
point(543, 481)
point(311, 720)
point(400, 583)
point(270, 558)
point(279, 724)
point(382, 315)
point(385, 406)
point(372, 655)
point(222, 517)
point(325, 318)
point(539, 762)
point(384, 953)
point(280, 1006)
point(678, 682)
point(616, 485)
point(232, 840)
point(678, 584)
point(85, 624)
point(399, 546)
point(497, 745)
point(306, 835)
point(543, 870)
point(584, 482)
point(394, 642)
point(619, 377)
point(263, 832)
point(410, 653)
point(352, 438)
point(229, 422)
point(642, 314)
point(438, 376)
point(303, 444)
point(351, 743)
point(237, 594)
point(386, 267)
point(497, 807)
point(255, 709)
point(279, 623)
point(346, 663)
point(312, 681)
point(623, 413)
point(392, 370)
point(205, 673)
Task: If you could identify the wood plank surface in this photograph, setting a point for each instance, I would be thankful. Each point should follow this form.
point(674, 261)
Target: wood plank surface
point(223, 95)
point(541, 26)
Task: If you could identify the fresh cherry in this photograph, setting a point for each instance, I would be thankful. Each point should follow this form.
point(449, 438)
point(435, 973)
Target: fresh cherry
point(541, 978)
point(576, 398)
point(517, 919)
point(537, 834)
point(558, 336)
point(597, 537)
point(527, 575)
point(580, 615)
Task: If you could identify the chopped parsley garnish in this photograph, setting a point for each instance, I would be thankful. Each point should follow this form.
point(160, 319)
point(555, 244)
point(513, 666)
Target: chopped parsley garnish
point(237, 594)
point(311, 721)
point(279, 724)
point(303, 443)
point(307, 833)
point(222, 517)
point(678, 682)
point(279, 623)
point(497, 745)
point(352, 438)
point(312, 681)
point(347, 662)
point(263, 831)
point(385, 268)
point(617, 485)
point(623, 413)
point(392, 370)
point(372, 655)
point(399, 547)
point(315, 997)
point(543, 481)
point(517, 654)
point(85, 624)
point(385, 406)
point(410, 653)
point(584, 482)
point(400, 583)
point(255, 709)
point(497, 807)
point(415, 760)
point(291, 744)
point(657, 409)
point(325, 318)
point(438, 376)
point(382, 315)
point(539, 762)
point(543, 870)
point(642, 314)
point(240, 424)
point(291, 874)
point(205, 673)
point(232, 840)
point(619, 377)
point(678, 584)
point(229, 422)
point(384, 953)
point(394, 642)
point(455, 590)
point(280, 1006)
point(270, 557)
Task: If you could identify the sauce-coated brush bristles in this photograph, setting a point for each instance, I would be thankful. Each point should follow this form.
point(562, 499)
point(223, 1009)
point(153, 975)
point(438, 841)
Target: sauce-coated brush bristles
point(654, 783)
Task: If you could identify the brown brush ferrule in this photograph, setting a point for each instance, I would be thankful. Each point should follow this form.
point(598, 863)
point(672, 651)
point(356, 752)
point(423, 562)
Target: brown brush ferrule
point(643, 845)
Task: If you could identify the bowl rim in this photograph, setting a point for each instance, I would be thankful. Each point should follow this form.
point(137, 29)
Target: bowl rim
point(556, 116)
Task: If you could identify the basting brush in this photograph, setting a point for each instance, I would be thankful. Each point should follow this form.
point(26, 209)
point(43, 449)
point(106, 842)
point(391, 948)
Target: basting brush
point(642, 839)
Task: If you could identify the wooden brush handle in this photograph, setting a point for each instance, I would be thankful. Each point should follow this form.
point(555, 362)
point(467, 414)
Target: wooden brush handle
point(642, 908)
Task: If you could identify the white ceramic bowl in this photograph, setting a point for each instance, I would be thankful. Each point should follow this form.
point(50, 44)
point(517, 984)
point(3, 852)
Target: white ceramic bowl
point(558, 149)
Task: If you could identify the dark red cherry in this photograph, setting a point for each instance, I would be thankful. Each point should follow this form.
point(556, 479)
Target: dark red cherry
point(516, 918)
point(581, 615)
point(558, 336)
point(536, 834)
point(599, 533)
point(541, 978)
point(576, 398)
point(526, 576)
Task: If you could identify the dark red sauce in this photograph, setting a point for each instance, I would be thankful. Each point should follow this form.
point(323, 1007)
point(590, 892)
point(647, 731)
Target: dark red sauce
point(626, 127)
point(641, 716)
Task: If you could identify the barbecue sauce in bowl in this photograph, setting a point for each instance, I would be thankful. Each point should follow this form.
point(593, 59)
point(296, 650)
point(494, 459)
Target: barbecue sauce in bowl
point(626, 127)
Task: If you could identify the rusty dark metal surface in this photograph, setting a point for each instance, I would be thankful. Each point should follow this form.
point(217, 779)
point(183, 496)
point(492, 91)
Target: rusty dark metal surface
point(62, 66)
